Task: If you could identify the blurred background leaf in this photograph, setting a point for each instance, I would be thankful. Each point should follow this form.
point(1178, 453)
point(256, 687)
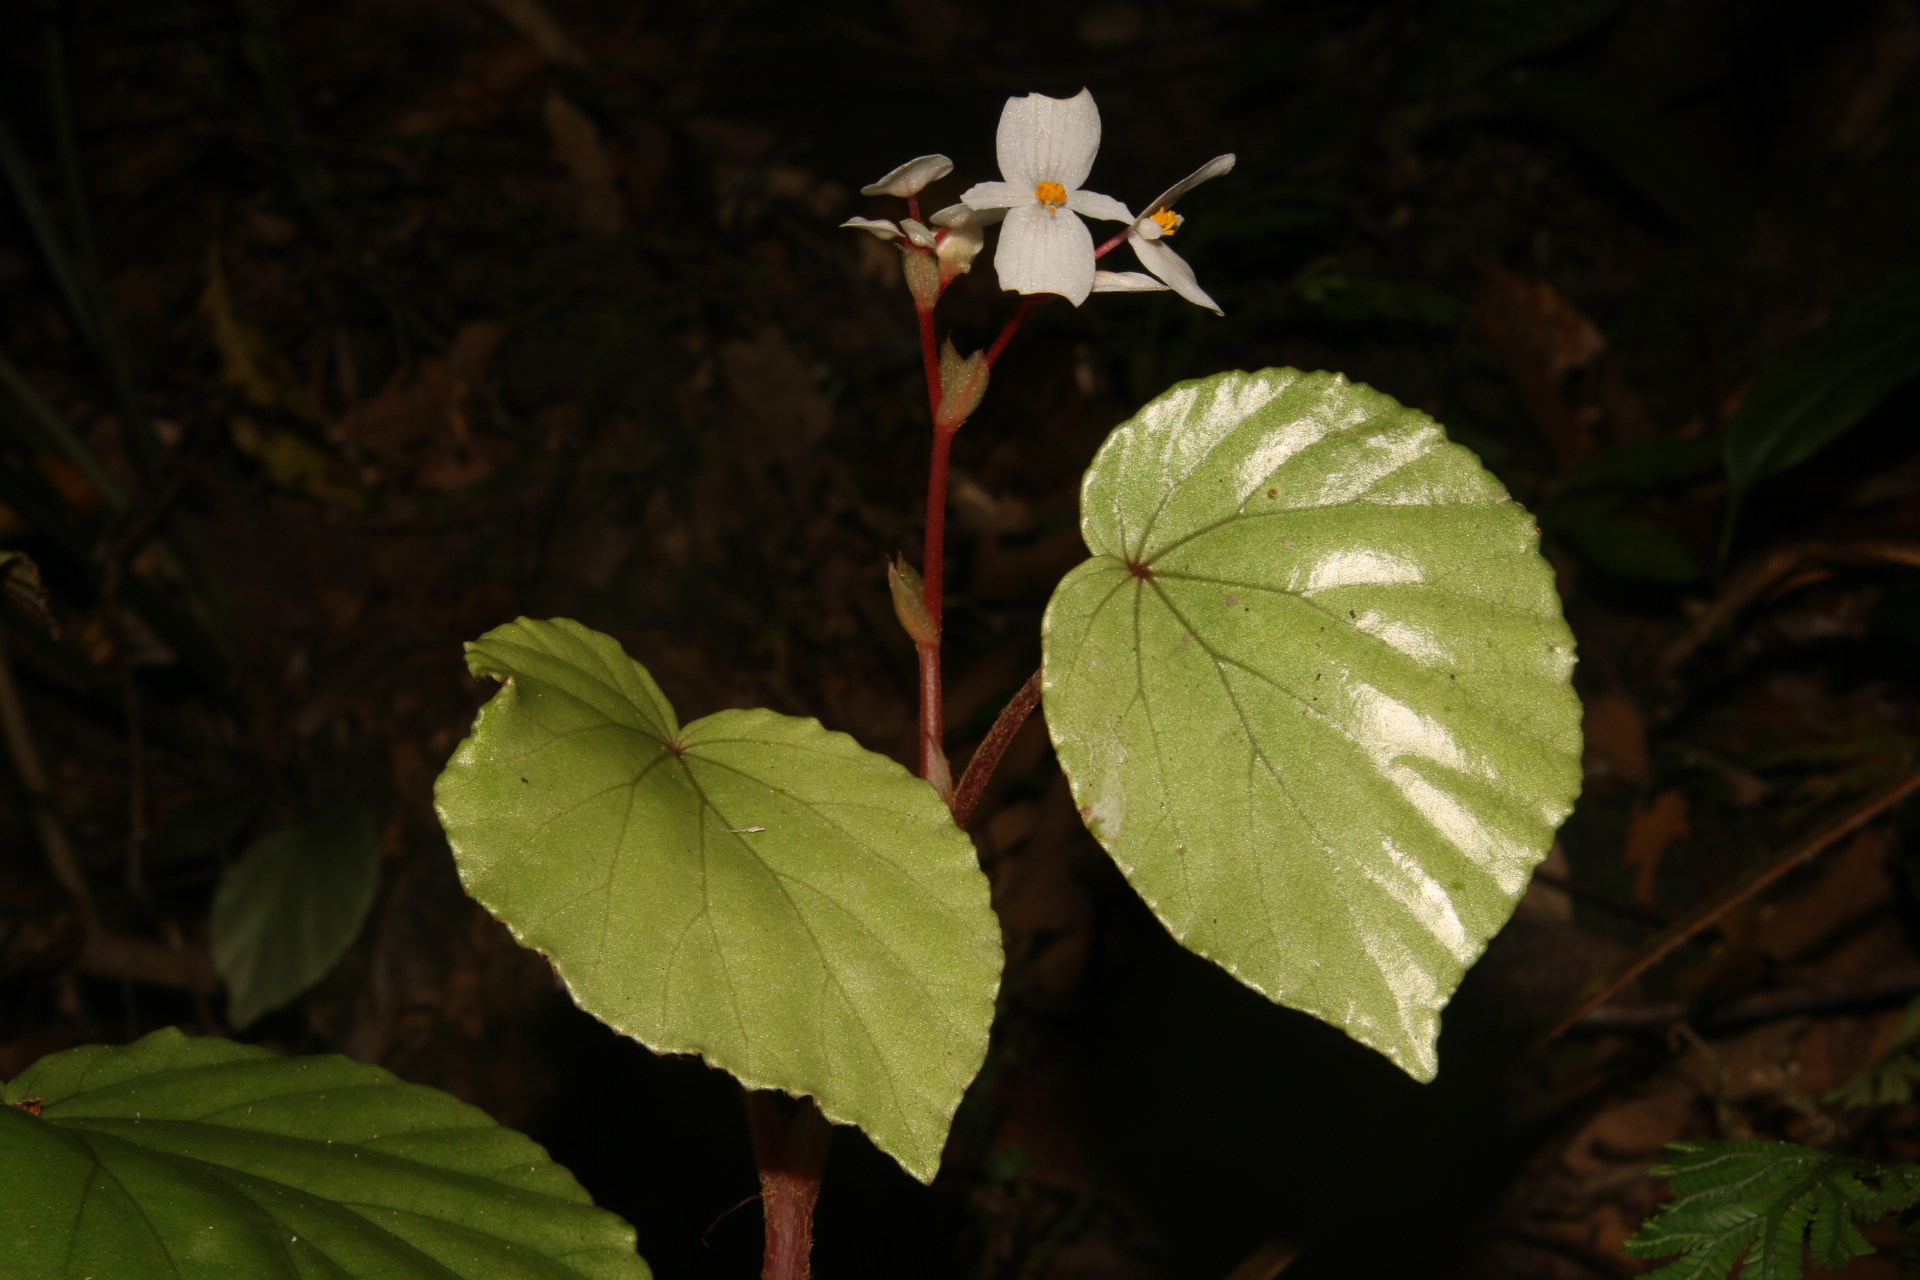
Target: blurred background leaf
point(289, 908)
point(1804, 400)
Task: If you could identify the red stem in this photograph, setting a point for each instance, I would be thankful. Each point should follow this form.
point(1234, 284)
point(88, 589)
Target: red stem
point(930, 358)
point(790, 1146)
point(1119, 237)
point(966, 796)
point(1027, 304)
point(933, 756)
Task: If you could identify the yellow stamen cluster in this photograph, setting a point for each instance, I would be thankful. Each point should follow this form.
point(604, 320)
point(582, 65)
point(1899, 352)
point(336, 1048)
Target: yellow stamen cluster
point(1051, 194)
point(1169, 221)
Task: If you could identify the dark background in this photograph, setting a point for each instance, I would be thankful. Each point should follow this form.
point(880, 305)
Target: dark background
point(414, 317)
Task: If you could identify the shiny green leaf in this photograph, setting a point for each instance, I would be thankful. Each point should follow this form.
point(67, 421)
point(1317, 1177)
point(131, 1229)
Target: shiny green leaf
point(286, 912)
point(200, 1159)
point(749, 887)
point(1808, 397)
point(1312, 692)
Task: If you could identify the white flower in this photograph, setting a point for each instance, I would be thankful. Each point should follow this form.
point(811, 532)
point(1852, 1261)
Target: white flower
point(911, 177)
point(1046, 147)
point(1160, 221)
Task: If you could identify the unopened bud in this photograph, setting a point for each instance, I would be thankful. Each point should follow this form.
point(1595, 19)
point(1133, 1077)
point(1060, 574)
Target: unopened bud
point(910, 602)
point(957, 249)
point(963, 382)
point(910, 178)
point(923, 277)
point(919, 232)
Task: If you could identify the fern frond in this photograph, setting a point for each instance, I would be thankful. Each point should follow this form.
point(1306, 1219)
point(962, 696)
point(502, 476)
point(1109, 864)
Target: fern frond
point(1891, 1079)
point(1761, 1202)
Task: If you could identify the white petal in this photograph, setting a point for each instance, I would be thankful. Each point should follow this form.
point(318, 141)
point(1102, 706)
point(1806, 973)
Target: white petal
point(958, 248)
point(918, 232)
point(1171, 267)
point(1094, 205)
point(1044, 139)
point(1126, 282)
point(997, 195)
point(960, 215)
point(910, 177)
point(1211, 169)
point(1045, 251)
point(881, 227)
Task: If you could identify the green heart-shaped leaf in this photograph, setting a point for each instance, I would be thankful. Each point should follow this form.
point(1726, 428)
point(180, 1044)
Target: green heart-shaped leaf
point(750, 887)
point(289, 908)
point(202, 1159)
point(1312, 693)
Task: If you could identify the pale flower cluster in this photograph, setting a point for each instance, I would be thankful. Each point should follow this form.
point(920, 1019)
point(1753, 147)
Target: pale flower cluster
point(1046, 148)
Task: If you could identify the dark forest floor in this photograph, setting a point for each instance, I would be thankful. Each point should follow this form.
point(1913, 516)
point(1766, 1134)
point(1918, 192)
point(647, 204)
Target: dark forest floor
point(446, 312)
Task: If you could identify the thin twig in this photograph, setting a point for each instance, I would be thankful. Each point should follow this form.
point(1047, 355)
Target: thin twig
point(1807, 1000)
point(1761, 576)
point(33, 781)
point(966, 796)
point(1671, 939)
point(107, 954)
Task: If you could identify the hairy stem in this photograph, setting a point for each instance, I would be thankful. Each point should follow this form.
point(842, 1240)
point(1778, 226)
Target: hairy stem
point(930, 358)
point(790, 1146)
point(966, 796)
point(933, 755)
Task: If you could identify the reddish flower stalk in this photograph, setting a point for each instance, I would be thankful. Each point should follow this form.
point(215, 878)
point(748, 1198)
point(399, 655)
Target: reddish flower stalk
point(1027, 304)
point(790, 1146)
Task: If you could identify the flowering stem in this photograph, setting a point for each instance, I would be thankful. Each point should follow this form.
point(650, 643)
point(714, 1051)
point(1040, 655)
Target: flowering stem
point(930, 358)
point(790, 1146)
point(1027, 304)
point(933, 755)
point(1119, 238)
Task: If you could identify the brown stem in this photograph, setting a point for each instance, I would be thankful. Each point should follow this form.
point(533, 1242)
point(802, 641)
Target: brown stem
point(33, 780)
point(966, 797)
point(790, 1142)
point(1671, 939)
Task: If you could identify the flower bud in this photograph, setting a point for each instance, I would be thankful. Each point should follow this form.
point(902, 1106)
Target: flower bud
point(910, 602)
point(963, 382)
point(911, 177)
point(923, 277)
point(957, 249)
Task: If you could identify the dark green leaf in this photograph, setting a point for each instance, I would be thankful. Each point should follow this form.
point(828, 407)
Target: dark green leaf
point(1641, 147)
point(203, 825)
point(1312, 692)
point(1890, 1079)
point(1470, 39)
point(200, 1159)
point(1619, 544)
point(287, 911)
point(1348, 299)
point(1648, 465)
point(1760, 1201)
point(749, 887)
point(1806, 398)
